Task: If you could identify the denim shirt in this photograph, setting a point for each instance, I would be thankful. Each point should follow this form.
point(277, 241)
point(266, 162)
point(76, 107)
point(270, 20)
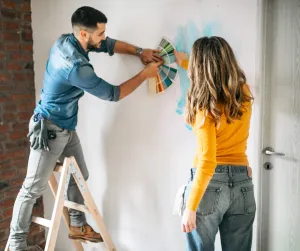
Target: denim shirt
point(68, 74)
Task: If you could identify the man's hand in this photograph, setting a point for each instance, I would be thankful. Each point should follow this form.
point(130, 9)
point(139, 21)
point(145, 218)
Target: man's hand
point(40, 136)
point(149, 56)
point(151, 70)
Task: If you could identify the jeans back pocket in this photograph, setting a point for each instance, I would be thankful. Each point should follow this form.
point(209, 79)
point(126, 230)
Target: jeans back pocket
point(209, 201)
point(249, 200)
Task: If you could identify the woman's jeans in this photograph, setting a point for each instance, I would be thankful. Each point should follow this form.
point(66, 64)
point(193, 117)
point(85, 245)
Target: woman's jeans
point(228, 205)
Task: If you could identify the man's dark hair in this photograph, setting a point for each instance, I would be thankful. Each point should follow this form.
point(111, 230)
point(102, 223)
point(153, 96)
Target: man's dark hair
point(87, 17)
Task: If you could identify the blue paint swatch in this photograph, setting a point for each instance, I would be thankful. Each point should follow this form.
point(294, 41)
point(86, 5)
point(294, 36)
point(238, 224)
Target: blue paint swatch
point(184, 40)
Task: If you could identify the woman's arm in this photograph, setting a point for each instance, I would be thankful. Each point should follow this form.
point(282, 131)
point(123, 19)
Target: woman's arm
point(205, 159)
point(182, 59)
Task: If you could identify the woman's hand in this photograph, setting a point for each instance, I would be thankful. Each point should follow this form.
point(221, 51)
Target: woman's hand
point(180, 57)
point(249, 170)
point(188, 223)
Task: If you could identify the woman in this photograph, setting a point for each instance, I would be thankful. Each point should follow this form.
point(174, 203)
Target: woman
point(219, 195)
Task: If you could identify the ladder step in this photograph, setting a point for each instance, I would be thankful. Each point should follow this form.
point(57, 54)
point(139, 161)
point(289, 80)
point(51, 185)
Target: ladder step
point(58, 168)
point(76, 206)
point(41, 221)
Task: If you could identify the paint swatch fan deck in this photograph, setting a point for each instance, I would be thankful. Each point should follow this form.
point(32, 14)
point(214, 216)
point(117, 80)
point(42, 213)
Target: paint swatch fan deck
point(167, 72)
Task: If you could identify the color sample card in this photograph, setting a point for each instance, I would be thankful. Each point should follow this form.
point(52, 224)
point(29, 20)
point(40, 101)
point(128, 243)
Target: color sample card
point(166, 74)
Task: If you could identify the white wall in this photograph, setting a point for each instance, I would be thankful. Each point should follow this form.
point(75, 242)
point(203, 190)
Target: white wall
point(138, 151)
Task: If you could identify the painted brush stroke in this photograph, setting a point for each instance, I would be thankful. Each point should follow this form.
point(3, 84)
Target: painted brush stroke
point(184, 39)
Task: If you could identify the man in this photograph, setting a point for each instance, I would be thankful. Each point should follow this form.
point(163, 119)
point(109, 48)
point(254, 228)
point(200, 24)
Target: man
point(52, 129)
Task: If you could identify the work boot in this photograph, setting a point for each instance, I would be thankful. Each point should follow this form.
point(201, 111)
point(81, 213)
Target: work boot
point(85, 233)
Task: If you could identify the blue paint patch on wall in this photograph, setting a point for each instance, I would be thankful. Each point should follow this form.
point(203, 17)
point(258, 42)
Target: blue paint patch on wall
point(184, 40)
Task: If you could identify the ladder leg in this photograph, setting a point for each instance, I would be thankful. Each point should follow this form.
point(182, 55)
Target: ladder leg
point(54, 186)
point(89, 201)
point(58, 208)
point(7, 244)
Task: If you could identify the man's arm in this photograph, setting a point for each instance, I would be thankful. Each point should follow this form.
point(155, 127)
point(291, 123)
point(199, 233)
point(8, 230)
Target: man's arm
point(146, 56)
point(150, 71)
point(130, 85)
point(86, 79)
point(111, 46)
point(125, 48)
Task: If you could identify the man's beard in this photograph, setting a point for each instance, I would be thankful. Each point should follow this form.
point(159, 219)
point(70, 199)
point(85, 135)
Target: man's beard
point(91, 46)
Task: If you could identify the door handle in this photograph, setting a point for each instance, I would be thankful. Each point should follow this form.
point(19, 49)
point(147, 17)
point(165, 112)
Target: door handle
point(270, 151)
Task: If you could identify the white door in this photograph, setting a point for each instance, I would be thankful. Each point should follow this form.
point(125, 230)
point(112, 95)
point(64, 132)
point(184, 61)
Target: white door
point(279, 210)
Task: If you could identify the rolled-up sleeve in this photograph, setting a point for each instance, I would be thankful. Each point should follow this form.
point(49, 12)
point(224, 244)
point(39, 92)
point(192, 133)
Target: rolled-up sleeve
point(107, 46)
point(85, 78)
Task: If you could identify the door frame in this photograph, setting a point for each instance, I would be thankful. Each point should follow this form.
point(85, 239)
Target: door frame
point(261, 98)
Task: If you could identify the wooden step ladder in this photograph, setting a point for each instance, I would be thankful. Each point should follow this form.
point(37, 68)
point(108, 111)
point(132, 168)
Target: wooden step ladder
point(61, 205)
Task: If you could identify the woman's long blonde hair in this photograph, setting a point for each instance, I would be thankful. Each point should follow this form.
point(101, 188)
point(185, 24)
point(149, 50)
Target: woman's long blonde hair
point(216, 78)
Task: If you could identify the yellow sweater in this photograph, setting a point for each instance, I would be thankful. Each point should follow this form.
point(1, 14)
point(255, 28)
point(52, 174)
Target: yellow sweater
point(225, 144)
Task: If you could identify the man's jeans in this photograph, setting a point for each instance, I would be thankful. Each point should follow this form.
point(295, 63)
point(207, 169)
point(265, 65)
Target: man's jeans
point(228, 205)
point(40, 166)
